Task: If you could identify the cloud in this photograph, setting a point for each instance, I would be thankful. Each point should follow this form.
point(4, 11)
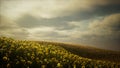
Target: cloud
point(28, 21)
point(104, 26)
point(49, 9)
point(102, 32)
point(6, 23)
point(10, 29)
point(46, 33)
point(107, 25)
point(15, 33)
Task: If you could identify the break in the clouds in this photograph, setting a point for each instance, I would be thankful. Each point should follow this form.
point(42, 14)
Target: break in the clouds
point(87, 22)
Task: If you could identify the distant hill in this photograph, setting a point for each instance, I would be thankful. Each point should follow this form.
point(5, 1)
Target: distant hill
point(32, 54)
point(88, 51)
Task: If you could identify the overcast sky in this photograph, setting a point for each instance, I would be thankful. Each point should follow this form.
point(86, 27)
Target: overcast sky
point(88, 22)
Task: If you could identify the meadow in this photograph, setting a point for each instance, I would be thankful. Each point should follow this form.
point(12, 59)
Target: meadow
point(32, 54)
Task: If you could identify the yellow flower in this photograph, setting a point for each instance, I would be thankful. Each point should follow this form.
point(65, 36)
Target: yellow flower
point(45, 60)
point(58, 64)
point(17, 62)
point(28, 54)
point(8, 65)
point(32, 57)
point(43, 66)
point(83, 66)
point(5, 58)
point(29, 62)
point(23, 61)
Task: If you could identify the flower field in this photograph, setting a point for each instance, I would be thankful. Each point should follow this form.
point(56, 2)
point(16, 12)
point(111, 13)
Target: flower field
point(29, 54)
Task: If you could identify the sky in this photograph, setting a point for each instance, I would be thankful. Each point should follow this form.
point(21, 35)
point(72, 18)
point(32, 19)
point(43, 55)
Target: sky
point(86, 22)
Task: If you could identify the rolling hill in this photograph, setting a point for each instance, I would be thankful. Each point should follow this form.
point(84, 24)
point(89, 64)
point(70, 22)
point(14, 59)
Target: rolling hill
point(32, 54)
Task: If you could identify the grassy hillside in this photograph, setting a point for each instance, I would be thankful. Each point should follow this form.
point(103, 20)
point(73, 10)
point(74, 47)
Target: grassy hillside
point(88, 52)
point(29, 54)
point(94, 53)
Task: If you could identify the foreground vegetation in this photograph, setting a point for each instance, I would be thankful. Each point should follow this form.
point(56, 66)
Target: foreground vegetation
point(29, 54)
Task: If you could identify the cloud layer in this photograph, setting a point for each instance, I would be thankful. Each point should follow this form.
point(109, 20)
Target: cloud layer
point(49, 9)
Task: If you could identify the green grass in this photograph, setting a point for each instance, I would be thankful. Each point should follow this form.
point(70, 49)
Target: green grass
point(29, 54)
